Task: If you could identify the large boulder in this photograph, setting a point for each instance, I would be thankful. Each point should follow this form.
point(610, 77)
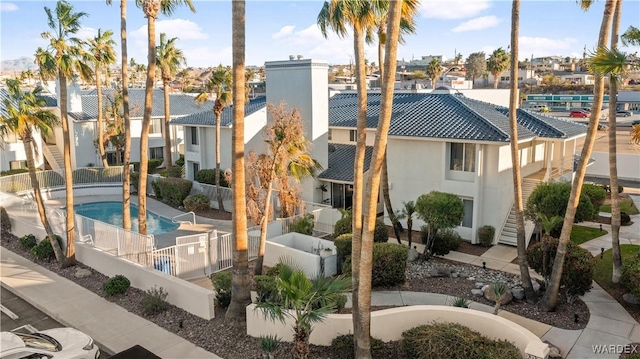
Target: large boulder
point(412, 255)
point(518, 293)
point(441, 272)
point(82, 273)
point(506, 298)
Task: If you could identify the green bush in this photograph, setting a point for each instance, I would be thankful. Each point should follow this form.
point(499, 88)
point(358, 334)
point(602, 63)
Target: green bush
point(342, 347)
point(14, 172)
point(28, 241)
point(197, 203)
point(222, 284)
point(174, 171)
point(275, 270)
point(153, 164)
point(343, 245)
point(154, 301)
point(624, 218)
point(344, 225)
point(551, 198)
point(577, 272)
point(303, 225)
point(4, 220)
point(135, 178)
point(266, 289)
point(156, 190)
point(117, 284)
point(631, 275)
point(380, 232)
point(389, 265)
point(451, 340)
point(596, 194)
point(208, 176)
point(44, 250)
point(180, 161)
point(620, 188)
point(136, 166)
point(445, 240)
point(486, 234)
point(174, 190)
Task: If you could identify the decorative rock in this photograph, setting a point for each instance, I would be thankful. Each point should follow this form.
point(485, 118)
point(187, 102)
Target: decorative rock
point(518, 293)
point(479, 285)
point(471, 278)
point(412, 255)
point(82, 273)
point(554, 351)
point(484, 287)
point(477, 292)
point(630, 298)
point(536, 285)
point(506, 298)
point(441, 272)
point(454, 275)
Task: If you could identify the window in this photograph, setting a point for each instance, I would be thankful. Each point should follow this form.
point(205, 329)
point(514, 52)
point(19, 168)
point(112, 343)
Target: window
point(156, 152)
point(463, 157)
point(329, 135)
point(112, 158)
point(194, 135)
point(504, 78)
point(196, 168)
point(353, 135)
point(467, 221)
point(15, 165)
point(156, 126)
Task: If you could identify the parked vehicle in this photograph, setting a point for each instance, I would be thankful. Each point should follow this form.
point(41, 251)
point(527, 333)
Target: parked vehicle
point(623, 113)
point(579, 113)
point(539, 108)
point(635, 123)
point(59, 343)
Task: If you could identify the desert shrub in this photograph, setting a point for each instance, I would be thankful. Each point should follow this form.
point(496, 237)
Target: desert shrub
point(156, 190)
point(444, 241)
point(28, 241)
point(577, 272)
point(275, 270)
point(222, 284)
point(342, 347)
point(208, 176)
point(174, 190)
point(389, 265)
point(631, 275)
point(486, 235)
point(624, 218)
point(197, 203)
point(303, 225)
point(174, 171)
point(450, 340)
point(14, 172)
point(154, 301)
point(343, 245)
point(44, 250)
point(153, 164)
point(344, 225)
point(4, 220)
point(266, 289)
point(180, 161)
point(117, 285)
point(596, 194)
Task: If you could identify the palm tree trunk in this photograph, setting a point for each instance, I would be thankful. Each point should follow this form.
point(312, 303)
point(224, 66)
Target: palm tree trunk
point(550, 298)
point(395, 223)
point(240, 296)
point(126, 170)
point(380, 56)
point(28, 149)
point(68, 172)
point(495, 80)
point(530, 294)
point(266, 213)
point(217, 172)
point(167, 129)
point(363, 332)
point(409, 229)
point(103, 157)
point(613, 165)
point(301, 345)
point(146, 121)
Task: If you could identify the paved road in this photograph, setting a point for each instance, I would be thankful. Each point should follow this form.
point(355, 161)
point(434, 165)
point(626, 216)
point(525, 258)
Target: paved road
point(27, 315)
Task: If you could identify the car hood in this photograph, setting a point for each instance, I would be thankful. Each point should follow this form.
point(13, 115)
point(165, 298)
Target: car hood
point(67, 337)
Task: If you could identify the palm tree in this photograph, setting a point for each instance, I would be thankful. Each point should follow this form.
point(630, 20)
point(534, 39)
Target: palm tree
point(631, 37)
point(363, 330)
point(551, 294)
point(530, 294)
point(151, 8)
point(169, 58)
point(635, 134)
point(240, 295)
point(407, 212)
point(101, 53)
point(433, 71)
point(126, 170)
point(306, 301)
point(22, 114)
point(458, 58)
point(63, 58)
point(220, 83)
point(498, 63)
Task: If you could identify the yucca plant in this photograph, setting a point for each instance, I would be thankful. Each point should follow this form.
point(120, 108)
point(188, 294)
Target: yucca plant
point(499, 289)
point(460, 302)
point(269, 344)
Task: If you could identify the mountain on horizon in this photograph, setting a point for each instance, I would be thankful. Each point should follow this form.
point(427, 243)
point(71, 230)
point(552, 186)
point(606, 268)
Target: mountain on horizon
point(18, 65)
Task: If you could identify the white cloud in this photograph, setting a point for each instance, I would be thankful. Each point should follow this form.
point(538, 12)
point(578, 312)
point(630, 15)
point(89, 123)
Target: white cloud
point(452, 9)
point(182, 29)
point(542, 46)
point(205, 56)
point(86, 33)
point(479, 23)
point(285, 31)
point(8, 6)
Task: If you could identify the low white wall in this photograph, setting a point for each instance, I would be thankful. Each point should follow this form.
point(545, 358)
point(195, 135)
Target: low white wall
point(309, 263)
point(389, 324)
point(628, 165)
point(113, 189)
point(188, 296)
point(21, 228)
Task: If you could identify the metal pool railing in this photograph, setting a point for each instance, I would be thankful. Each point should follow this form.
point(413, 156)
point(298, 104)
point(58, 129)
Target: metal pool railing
point(56, 178)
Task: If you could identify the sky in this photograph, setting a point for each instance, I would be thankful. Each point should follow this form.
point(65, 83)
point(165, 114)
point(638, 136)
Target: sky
point(277, 29)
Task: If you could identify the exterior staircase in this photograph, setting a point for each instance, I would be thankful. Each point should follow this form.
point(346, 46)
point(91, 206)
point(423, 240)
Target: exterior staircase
point(508, 234)
point(53, 156)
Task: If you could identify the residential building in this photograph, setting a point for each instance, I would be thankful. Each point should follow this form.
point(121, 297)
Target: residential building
point(525, 76)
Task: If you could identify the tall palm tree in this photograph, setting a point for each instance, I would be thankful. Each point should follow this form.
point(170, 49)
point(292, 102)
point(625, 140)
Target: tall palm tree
point(550, 297)
point(363, 331)
point(530, 294)
point(434, 70)
point(240, 295)
point(151, 9)
point(101, 53)
point(23, 113)
point(126, 170)
point(63, 58)
point(337, 15)
point(169, 59)
point(220, 83)
point(498, 63)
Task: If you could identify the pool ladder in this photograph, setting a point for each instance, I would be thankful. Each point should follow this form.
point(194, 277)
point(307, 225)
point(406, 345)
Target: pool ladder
point(193, 216)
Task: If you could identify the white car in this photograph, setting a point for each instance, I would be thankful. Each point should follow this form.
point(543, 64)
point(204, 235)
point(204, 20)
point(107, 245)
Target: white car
point(59, 343)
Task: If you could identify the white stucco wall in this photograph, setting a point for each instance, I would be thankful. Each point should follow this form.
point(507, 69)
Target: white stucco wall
point(628, 165)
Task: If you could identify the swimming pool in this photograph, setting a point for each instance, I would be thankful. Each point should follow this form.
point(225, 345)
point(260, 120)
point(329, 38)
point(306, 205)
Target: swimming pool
point(111, 212)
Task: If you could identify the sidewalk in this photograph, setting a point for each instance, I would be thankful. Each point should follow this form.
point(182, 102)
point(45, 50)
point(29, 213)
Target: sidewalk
point(72, 305)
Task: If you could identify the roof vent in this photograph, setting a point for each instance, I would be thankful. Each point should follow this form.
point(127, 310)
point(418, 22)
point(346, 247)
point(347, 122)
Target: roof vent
point(332, 148)
point(292, 57)
point(441, 90)
point(299, 57)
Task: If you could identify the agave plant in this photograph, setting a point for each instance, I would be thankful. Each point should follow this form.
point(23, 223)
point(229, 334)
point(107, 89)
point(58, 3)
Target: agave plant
point(269, 344)
point(460, 302)
point(499, 289)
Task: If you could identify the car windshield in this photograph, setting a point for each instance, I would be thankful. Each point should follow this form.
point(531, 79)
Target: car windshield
point(40, 341)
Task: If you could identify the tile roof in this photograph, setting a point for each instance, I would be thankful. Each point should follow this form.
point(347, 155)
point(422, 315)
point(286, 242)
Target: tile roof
point(341, 162)
point(206, 118)
point(50, 101)
point(180, 104)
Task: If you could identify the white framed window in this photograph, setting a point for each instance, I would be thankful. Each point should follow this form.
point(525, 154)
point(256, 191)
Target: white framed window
point(156, 126)
point(194, 135)
point(196, 167)
point(462, 157)
point(156, 152)
point(467, 221)
point(353, 135)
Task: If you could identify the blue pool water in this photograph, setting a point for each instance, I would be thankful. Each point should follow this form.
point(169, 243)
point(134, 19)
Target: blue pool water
point(111, 212)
